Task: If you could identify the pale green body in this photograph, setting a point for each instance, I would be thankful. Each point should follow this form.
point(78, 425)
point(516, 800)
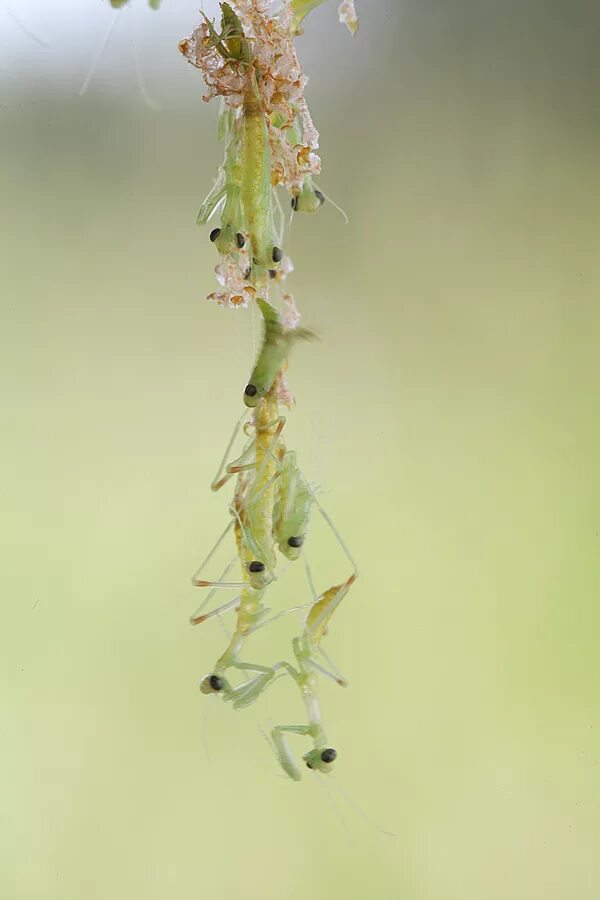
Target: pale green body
point(273, 353)
point(227, 189)
point(255, 192)
point(256, 189)
point(310, 199)
point(292, 507)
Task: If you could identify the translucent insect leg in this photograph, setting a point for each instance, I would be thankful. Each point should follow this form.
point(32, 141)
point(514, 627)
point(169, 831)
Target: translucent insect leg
point(20, 24)
point(335, 206)
point(215, 483)
point(220, 540)
point(282, 750)
point(340, 539)
point(309, 577)
point(341, 680)
point(94, 64)
point(338, 680)
point(195, 618)
point(150, 103)
point(284, 612)
point(279, 230)
point(357, 809)
point(198, 619)
point(225, 585)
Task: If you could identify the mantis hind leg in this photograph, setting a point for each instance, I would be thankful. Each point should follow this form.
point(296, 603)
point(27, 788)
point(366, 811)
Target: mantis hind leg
point(217, 481)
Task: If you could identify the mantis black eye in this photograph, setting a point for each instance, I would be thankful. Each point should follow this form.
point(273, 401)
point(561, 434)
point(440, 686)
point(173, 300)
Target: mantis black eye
point(214, 234)
point(328, 755)
point(308, 765)
point(251, 390)
point(320, 197)
point(295, 541)
point(256, 566)
point(294, 203)
point(277, 254)
point(216, 683)
point(240, 239)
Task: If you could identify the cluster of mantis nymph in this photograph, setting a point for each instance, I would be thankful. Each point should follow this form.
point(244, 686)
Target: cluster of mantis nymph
point(270, 517)
point(269, 140)
point(272, 499)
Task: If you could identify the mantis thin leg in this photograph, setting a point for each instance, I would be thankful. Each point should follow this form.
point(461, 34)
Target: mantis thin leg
point(225, 457)
point(250, 691)
point(207, 599)
point(225, 585)
point(20, 24)
point(212, 552)
point(340, 539)
point(94, 64)
point(279, 615)
point(339, 677)
point(315, 665)
point(282, 750)
point(335, 206)
point(309, 577)
point(281, 216)
point(150, 103)
point(198, 619)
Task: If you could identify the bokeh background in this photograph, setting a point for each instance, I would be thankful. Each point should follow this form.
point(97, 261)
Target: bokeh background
point(449, 412)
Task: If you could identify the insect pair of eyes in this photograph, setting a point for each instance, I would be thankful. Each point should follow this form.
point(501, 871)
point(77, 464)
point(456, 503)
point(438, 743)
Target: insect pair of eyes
point(320, 197)
point(239, 238)
point(327, 756)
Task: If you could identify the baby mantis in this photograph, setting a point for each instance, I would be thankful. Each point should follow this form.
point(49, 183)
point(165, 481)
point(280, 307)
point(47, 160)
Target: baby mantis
point(255, 185)
point(227, 191)
point(273, 353)
point(305, 647)
point(308, 198)
point(292, 507)
point(253, 523)
point(321, 757)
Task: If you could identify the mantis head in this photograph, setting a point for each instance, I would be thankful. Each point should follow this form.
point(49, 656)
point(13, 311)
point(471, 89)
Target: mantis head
point(321, 760)
point(310, 199)
point(292, 548)
point(214, 684)
point(227, 239)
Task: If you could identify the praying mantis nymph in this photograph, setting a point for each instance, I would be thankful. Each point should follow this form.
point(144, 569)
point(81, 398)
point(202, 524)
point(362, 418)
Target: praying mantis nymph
point(254, 540)
point(305, 647)
point(230, 235)
point(293, 503)
point(255, 169)
point(309, 199)
point(273, 353)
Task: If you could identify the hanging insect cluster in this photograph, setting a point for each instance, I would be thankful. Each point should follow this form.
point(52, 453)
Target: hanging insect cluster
point(270, 142)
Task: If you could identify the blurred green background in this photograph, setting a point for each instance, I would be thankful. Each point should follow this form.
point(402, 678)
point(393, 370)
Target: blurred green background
point(450, 413)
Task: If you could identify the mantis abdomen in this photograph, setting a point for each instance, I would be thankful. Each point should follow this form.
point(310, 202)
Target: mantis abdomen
point(256, 181)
